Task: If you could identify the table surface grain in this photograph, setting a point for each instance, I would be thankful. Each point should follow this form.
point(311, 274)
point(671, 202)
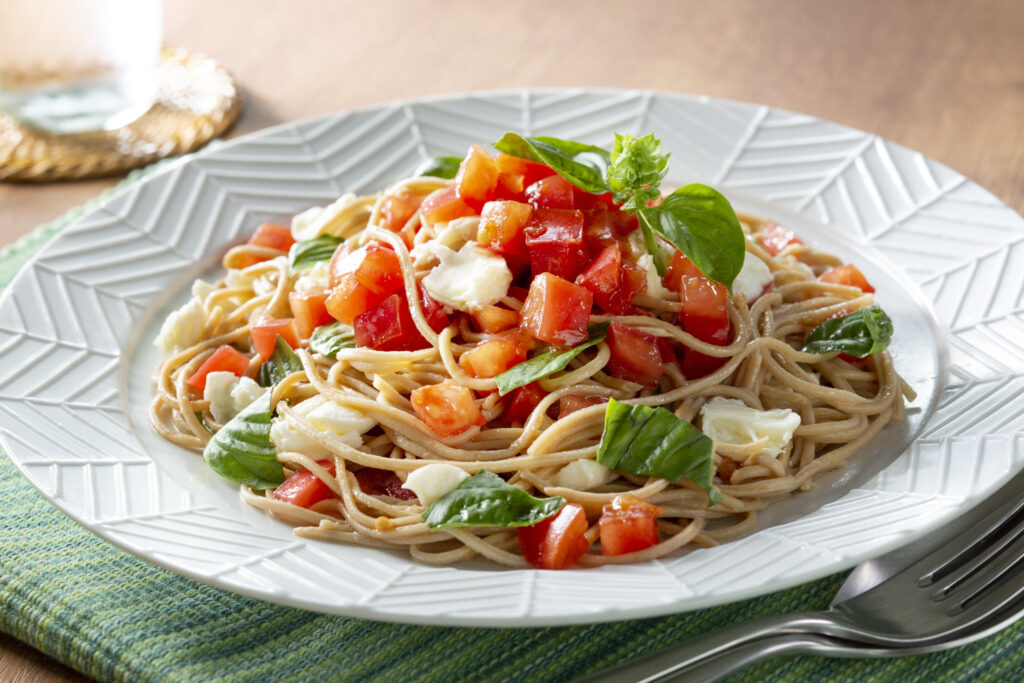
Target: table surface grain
point(946, 79)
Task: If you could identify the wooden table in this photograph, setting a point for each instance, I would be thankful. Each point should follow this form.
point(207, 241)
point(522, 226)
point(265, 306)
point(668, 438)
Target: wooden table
point(945, 78)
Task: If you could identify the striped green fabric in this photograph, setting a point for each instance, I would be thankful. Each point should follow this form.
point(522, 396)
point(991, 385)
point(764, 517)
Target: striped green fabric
point(114, 617)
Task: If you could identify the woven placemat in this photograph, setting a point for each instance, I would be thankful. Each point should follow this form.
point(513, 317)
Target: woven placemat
point(115, 617)
point(197, 100)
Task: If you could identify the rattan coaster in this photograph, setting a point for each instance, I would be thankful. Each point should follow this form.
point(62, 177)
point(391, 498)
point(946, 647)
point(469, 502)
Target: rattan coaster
point(197, 100)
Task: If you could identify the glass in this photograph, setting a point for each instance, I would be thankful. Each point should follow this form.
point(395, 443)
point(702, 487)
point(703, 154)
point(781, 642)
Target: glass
point(68, 66)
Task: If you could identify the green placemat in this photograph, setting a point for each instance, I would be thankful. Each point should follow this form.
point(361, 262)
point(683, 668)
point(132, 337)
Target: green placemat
point(114, 617)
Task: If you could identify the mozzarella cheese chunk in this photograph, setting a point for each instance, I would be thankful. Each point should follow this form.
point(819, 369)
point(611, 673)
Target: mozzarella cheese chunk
point(452, 235)
point(468, 278)
point(348, 423)
point(729, 420)
point(182, 328)
point(320, 220)
point(753, 277)
point(313, 279)
point(433, 481)
point(229, 395)
point(583, 475)
point(654, 284)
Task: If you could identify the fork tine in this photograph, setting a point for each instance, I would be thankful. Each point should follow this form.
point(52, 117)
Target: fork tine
point(988, 565)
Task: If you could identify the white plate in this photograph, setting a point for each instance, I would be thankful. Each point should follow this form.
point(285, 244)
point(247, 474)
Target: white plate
point(77, 324)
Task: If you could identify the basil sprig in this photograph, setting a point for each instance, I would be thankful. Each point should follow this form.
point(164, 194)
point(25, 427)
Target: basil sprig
point(655, 443)
point(486, 500)
point(547, 362)
point(861, 333)
point(306, 253)
point(282, 362)
point(242, 451)
point(328, 339)
point(439, 167)
point(696, 219)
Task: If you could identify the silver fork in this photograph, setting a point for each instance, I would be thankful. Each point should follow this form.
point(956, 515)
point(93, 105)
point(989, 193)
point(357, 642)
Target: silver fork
point(968, 582)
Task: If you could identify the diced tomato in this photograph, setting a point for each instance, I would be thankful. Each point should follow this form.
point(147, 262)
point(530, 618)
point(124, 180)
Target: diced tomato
point(397, 209)
point(382, 483)
point(264, 333)
point(678, 268)
point(304, 489)
point(556, 311)
point(519, 293)
point(524, 400)
point(584, 200)
point(628, 524)
point(446, 408)
point(553, 192)
point(494, 357)
point(668, 354)
point(494, 319)
point(634, 355)
point(444, 205)
point(554, 238)
point(477, 179)
point(310, 311)
point(775, 238)
point(433, 310)
point(388, 327)
point(558, 541)
point(567, 405)
point(503, 227)
point(726, 468)
point(705, 315)
point(350, 298)
point(614, 280)
point(848, 275)
point(375, 265)
point(528, 172)
point(268, 235)
point(224, 359)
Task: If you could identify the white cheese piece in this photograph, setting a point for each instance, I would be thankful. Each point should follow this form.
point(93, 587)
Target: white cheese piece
point(229, 395)
point(654, 284)
point(313, 279)
point(182, 328)
point(731, 421)
point(245, 392)
point(433, 481)
point(452, 235)
point(348, 423)
point(468, 278)
point(753, 277)
point(583, 475)
point(287, 438)
point(324, 220)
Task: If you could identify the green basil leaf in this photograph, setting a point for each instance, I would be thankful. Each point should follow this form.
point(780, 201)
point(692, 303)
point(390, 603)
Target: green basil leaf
point(304, 254)
point(550, 361)
point(653, 248)
point(242, 451)
point(585, 166)
point(701, 223)
point(282, 362)
point(328, 339)
point(439, 167)
point(486, 500)
point(637, 168)
point(859, 334)
point(655, 443)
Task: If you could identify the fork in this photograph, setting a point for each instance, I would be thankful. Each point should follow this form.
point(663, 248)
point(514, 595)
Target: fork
point(968, 582)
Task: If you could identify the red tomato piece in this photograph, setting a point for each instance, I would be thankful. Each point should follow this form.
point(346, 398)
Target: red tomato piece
point(553, 192)
point(304, 489)
point(556, 311)
point(614, 280)
point(503, 227)
point(397, 209)
point(264, 333)
point(678, 268)
point(444, 205)
point(584, 200)
point(375, 266)
point(635, 355)
point(494, 319)
point(558, 541)
point(494, 357)
point(568, 405)
point(848, 275)
point(310, 311)
point(224, 359)
point(477, 179)
point(528, 171)
point(554, 238)
point(775, 238)
point(382, 483)
point(350, 298)
point(628, 524)
point(524, 400)
point(433, 310)
point(268, 235)
point(446, 408)
point(705, 315)
point(388, 327)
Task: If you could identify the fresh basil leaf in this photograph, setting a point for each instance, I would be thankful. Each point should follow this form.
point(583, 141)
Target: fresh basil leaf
point(585, 166)
point(242, 451)
point(304, 254)
point(550, 361)
point(701, 223)
point(282, 362)
point(653, 248)
point(439, 167)
point(861, 333)
point(637, 168)
point(486, 500)
point(655, 443)
point(328, 339)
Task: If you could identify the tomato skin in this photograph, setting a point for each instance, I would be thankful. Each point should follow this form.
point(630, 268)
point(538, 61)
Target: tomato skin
point(556, 542)
point(268, 235)
point(567, 405)
point(361, 280)
point(304, 489)
point(705, 315)
point(775, 238)
point(494, 319)
point(527, 171)
point(433, 310)
point(494, 357)
point(350, 298)
point(678, 268)
point(553, 192)
point(584, 200)
point(503, 227)
point(615, 281)
point(556, 311)
point(477, 179)
point(524, 400)
point(265, 331)
point(848, 275)
point(444, 205)
point(635, 355)
point(446, 408)
point(309, 310)
point(628, 524)
point(397, 209)
point(382, 482)
point(388, 327)
point(224, 359)
point(554, 238)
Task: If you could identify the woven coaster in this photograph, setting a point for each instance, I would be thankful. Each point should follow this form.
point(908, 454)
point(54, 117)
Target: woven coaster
point(197, 100)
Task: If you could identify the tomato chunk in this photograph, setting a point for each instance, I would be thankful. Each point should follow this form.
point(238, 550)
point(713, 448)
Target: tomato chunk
point(628, 524)
point(444, 205)
point(568, 405)
point(361, 279)
point(615, 281)
point(678, 268)
point(388, 327)
point(397, 209)
point(224, 359)
point(775, 238)
point(477, 179)
point(494, 319)
point(494, 357)
point(304, 489)
point(524, 171)
point(553, 192)
point(848, 275)
point(554, 238)
point(433, 310)
point(503, 227)
point(635, 355)
point(556, 311)
point(382, 483)
point(268, 235)
point(350, 298)
point(524, 400)
point(309, 310)
point(556, 542)
point(446, 408)
point(705, 315)
point(264, 333)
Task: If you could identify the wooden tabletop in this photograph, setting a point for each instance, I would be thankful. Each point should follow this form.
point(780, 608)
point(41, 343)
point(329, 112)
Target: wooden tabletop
point(944, 78)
